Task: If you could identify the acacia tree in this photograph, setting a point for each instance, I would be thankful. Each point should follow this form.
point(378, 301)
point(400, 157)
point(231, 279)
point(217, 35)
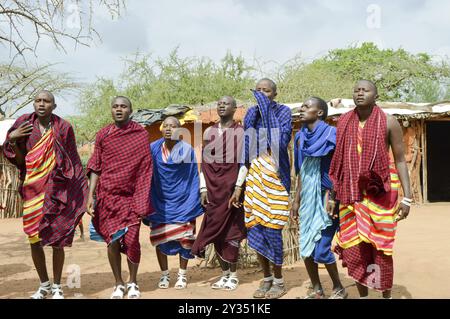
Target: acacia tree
point(23, 23)
point(399, 75)
point(19, 85)
point(154, 83)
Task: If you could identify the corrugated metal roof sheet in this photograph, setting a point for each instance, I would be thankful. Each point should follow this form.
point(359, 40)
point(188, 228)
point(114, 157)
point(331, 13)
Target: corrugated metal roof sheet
point(337, 107)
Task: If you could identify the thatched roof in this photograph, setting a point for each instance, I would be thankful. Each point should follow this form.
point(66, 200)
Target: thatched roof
point(336, 107)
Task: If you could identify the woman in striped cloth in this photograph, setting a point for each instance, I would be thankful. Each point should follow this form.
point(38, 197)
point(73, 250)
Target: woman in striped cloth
point(314, 147)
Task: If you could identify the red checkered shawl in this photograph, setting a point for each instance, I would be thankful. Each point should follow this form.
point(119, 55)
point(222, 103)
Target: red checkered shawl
point(122, 159)
point(352, 174)
point(66, 191)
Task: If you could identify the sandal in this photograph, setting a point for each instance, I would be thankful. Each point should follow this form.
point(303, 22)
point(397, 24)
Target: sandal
point(57, 292)
point(164, 282)
point(316, 295)
point(181, 282)
point(42, 292)
point(276, 291)
point(133, 291)
point(118, 292)
point(264, 287)
point(339, 294)
point(232, 283)
point(220, 283)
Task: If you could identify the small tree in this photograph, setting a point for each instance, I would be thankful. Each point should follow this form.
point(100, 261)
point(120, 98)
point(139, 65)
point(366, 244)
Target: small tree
point(397, 73)
point(23, 23)
point(157, 83)
point(19, 85)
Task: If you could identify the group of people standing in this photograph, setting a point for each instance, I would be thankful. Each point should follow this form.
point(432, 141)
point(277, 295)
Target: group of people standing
point(346, 189)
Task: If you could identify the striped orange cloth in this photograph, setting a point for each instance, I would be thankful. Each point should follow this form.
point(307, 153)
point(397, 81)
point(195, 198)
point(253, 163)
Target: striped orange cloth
point(39, 162)
point(266, 200)
point(373, 219)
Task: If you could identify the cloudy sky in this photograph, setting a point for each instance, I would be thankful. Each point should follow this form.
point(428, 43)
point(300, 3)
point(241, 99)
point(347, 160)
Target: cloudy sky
point(263, 29)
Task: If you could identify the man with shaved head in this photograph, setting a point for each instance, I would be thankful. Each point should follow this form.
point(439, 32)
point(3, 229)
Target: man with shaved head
point(42, 145)
point(366, 183)
point(223, 224)
point(313, 150)
point(120, 171)
point(175, 197)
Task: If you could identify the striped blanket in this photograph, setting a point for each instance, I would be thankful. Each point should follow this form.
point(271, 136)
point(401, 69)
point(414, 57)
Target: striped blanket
point(266, 200)
point(173, 239)
point(39, 162)
point(371, 220)
point(164, 233)
point(313, 217)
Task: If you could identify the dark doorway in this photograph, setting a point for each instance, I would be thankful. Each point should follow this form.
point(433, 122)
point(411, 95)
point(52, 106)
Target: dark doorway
point(438, 161)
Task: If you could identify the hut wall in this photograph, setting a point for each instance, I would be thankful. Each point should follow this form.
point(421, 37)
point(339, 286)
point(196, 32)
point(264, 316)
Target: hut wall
point(412, 139)
point(10, 200)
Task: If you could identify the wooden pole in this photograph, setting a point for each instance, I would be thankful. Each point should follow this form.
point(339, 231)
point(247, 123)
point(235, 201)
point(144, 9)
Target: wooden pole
point(418, 160)
point(425, 161)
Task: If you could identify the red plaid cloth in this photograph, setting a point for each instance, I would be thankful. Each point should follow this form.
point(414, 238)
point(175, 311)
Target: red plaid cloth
point(66, 191)
point(123, 161)
point(368, 266)
point(130, 245)
point(352, 174)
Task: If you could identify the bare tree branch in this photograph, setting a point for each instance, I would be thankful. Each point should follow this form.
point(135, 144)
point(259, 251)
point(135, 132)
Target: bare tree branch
point(19, 84)
point(50, 18)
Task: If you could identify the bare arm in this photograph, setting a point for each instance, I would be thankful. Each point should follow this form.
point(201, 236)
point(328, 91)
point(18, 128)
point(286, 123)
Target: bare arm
point(93, 180)
point(395, 139)
point(296, 202)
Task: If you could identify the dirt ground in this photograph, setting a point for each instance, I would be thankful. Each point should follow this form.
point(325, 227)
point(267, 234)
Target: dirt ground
point(421, 257)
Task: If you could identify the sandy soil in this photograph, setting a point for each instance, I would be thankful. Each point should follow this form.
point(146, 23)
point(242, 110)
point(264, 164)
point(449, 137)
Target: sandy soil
point(422, 262)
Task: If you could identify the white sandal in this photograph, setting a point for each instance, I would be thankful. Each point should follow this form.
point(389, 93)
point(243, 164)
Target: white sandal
point(133, 291)
point(220, 283)
point(57, 292)
point(232, 283)
point(164, 282)
point(42, 292)
point(181, 282)
point(118, 292)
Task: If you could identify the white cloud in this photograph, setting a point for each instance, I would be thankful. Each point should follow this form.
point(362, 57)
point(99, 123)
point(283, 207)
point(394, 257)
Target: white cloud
point(268, 30)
